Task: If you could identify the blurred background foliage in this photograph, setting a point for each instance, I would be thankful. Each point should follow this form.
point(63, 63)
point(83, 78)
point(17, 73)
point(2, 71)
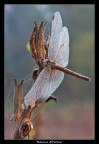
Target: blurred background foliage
point(73, 116)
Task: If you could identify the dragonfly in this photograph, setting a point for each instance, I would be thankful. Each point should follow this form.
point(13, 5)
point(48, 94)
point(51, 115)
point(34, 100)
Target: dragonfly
point(54, 66)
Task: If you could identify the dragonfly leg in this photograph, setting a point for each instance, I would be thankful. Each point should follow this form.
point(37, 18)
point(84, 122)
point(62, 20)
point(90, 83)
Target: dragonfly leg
point(35, 74)
point(51, 98)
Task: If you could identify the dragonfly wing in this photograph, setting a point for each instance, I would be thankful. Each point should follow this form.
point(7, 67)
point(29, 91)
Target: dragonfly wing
point(52, 84)
point(46, 83)
point(54, 40)
point(35, 92)
point(63, 51)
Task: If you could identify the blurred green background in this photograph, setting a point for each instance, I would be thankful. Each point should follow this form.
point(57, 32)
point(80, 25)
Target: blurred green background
point(73, 116)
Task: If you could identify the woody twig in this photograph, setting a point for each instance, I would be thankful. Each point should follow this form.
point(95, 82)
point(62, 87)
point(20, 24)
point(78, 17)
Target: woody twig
point(21, 117)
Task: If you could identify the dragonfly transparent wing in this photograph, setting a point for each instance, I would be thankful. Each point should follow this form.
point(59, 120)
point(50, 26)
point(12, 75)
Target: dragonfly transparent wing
point(63, 51)
point(46, 83)
point(54, 40)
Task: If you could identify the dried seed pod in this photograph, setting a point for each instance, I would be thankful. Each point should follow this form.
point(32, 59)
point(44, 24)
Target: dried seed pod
point(32, 44)
point(25, 125)
point(37, 42)
point(46, 46)
point(40, 48)
point(24, 129)
point(18, 98)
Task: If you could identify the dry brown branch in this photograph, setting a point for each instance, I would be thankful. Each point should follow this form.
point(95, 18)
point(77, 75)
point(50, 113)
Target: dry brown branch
point(18, 98)
point(25, 125)
point(21, 118)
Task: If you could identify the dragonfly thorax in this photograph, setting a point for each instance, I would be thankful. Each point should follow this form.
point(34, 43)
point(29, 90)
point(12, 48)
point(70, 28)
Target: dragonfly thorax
point(48, 63)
